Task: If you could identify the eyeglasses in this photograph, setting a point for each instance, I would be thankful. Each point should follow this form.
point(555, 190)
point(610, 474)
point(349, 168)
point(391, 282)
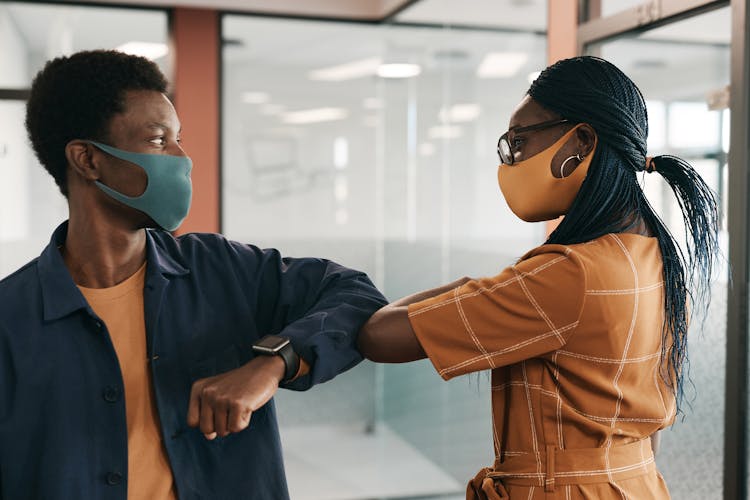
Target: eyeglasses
point(505, 150)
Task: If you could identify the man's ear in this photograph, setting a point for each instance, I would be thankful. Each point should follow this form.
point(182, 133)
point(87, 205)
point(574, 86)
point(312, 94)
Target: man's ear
point(586, 138)
point(80, 157)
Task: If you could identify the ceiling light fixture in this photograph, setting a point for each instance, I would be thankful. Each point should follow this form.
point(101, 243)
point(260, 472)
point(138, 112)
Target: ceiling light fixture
point(444, 132)
point(459, 113)
point(347, 71)
point(271, 109)
point(149, 50)
point(398, 70)
point(372, 103)
point(255, 97)
point(501, 64)
point(533, 76)
point(316, 115)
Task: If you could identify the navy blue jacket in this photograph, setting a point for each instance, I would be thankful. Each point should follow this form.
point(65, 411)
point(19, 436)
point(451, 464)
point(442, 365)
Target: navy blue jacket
point(62, 412)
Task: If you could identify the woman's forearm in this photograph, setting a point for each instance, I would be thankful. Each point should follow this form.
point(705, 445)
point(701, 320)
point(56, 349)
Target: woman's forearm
point(388, 337)
point(426, 294)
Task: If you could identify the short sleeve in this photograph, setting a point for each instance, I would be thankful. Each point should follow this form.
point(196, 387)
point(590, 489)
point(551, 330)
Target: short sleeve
point(529, 309)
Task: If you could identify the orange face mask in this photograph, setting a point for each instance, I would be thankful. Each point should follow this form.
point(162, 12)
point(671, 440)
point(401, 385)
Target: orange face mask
point(533, 193)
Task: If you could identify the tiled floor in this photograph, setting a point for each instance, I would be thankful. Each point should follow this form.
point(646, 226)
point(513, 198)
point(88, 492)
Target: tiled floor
point(378, 465)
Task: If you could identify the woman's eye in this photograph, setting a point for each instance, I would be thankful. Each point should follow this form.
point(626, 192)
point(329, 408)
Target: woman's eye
point(516, 142)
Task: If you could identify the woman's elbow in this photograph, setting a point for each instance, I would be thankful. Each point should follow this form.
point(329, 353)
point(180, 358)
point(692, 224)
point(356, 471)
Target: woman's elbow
point(373, 336)
point(367, 343)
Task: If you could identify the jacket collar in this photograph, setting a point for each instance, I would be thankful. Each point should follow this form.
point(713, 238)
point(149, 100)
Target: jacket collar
point(158, 258)
point(60, 295)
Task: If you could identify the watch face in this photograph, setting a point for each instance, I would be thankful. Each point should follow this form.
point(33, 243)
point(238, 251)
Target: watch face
point(271, 343)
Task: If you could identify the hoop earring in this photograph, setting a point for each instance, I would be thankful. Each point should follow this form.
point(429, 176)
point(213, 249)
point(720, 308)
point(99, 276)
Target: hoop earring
point(577, 156)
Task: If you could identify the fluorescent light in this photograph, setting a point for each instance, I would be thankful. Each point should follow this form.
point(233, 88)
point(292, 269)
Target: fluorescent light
point(398, 70)
point(342, 216)
point(533, 76)
point(371, 121)
point(340, 153)
point(501, 64)
point(271, 109)
point(255, 97)
point(316, 115)
point(426, 149)
point(372, 103)
point(340, 188)
point(288, 131)
point(149, 50)
point(459, 113)
point(444, 132)
point(347, 71)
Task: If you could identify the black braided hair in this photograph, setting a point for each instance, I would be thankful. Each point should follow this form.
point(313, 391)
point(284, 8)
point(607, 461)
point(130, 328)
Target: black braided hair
point(591, 90)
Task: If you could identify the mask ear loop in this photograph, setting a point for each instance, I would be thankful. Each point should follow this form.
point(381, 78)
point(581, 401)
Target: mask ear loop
point(577, 156)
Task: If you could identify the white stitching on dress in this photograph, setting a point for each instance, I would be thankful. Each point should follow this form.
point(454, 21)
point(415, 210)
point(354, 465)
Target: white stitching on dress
point(610, 360)
point(468, 328)
point(494, 287)
point(556, 374)
point(584, 473)
point(597, 418)
point(531, 419)
point(626, 291)
point(507, 349)
point(636, 296)
point(537, 307)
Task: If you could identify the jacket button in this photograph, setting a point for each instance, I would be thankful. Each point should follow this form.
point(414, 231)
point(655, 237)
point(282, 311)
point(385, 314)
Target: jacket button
point(111, 394)
point(114, 478)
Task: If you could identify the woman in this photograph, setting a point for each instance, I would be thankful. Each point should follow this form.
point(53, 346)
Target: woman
point(586, 336)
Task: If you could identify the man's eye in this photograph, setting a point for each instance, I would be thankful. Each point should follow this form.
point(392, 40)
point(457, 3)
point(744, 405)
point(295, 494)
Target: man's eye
point(517, 142)
point(158, 140)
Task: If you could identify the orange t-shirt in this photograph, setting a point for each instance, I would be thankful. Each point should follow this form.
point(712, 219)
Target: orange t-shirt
point(121, 309)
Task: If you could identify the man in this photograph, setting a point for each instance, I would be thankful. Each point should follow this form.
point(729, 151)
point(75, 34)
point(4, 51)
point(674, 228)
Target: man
point(134, 364)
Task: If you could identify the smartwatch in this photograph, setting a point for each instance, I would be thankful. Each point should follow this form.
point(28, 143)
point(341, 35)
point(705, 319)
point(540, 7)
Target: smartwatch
point(273, 345)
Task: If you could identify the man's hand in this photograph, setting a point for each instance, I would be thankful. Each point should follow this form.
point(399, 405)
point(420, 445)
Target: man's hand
point(224, 403)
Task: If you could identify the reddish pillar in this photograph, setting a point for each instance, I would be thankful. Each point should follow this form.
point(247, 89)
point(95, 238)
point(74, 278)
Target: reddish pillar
point(562, 32)
point(196, 51)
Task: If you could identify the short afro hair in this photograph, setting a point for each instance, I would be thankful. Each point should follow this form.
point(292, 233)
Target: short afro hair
point(75, 97)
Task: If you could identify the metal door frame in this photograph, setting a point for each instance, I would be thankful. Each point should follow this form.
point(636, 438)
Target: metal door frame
point(651, 14)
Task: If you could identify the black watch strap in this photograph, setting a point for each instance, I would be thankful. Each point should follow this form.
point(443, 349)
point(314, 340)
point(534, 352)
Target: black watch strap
point(274, 345)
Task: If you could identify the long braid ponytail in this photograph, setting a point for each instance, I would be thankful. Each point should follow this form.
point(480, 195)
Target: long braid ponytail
point(592, 90)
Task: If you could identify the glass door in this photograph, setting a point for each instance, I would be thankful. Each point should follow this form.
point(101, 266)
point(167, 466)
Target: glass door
point(683, 70)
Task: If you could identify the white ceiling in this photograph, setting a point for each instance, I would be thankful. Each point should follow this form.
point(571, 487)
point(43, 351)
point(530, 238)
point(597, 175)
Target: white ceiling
point(510, 14)
point(346, 9)
point(711, 27)
point(50, 30)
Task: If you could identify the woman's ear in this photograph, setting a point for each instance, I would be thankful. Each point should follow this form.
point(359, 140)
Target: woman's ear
point(79, 156)
point(586, 138)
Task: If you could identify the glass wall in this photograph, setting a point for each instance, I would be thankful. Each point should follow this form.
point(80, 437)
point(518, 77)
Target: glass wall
point(688, 117)
point(31, 206)
point(375, 146)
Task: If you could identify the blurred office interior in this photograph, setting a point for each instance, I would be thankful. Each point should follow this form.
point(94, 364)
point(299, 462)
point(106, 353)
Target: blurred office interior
point(365, 132)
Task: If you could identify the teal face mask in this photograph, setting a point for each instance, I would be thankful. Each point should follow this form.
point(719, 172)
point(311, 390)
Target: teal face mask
point(168, 192)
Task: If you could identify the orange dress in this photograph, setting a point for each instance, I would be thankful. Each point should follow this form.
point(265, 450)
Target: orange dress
point(573, 336)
